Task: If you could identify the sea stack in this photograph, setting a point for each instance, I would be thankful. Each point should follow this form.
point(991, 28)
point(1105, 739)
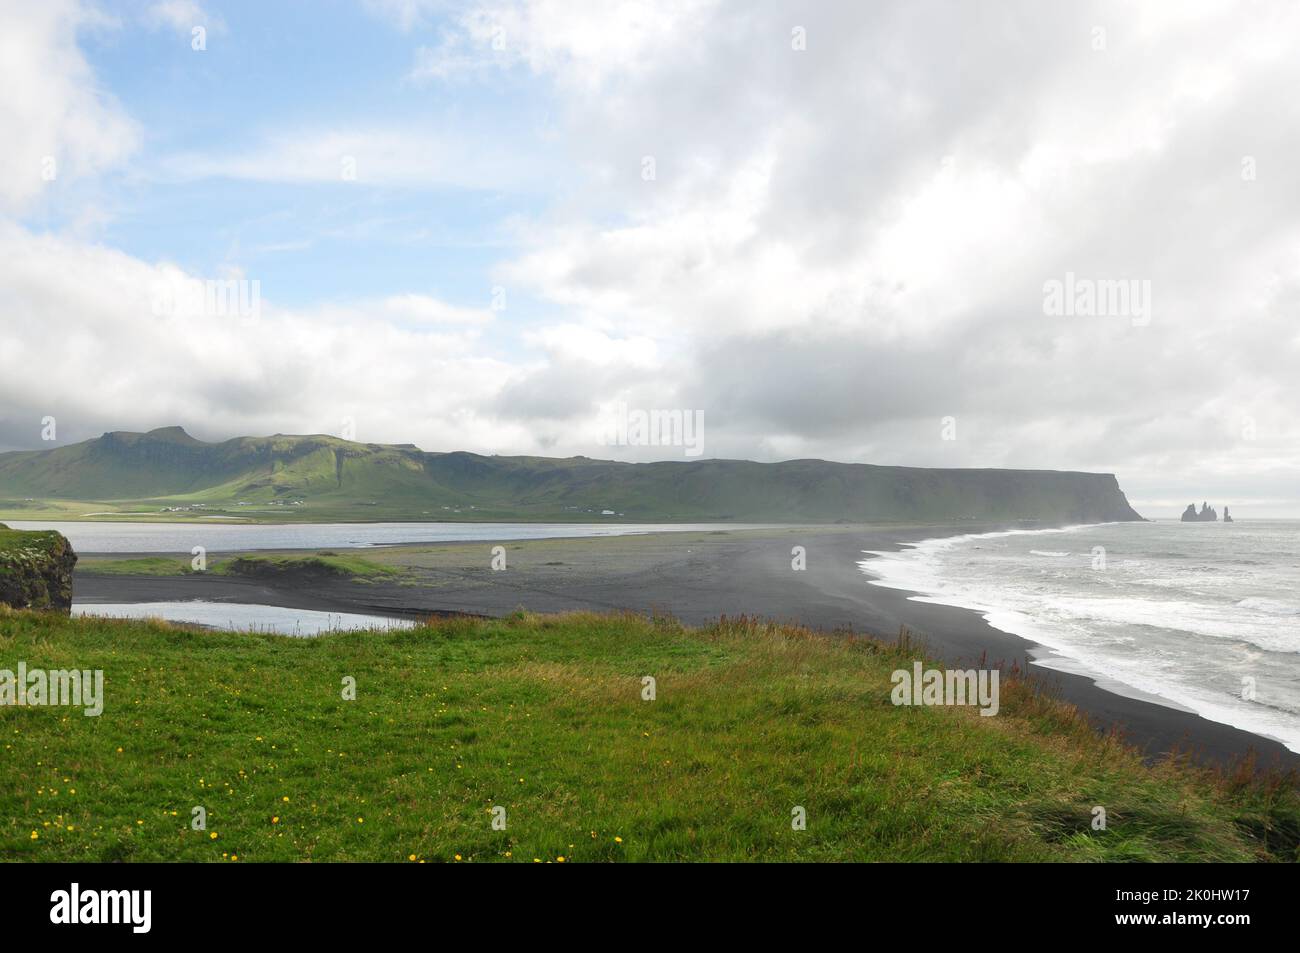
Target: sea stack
point(1208, 514)
point(1227, 517)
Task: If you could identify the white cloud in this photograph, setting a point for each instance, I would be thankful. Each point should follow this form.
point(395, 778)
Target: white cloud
point(56, 124)
point(369, 156)
point(840, 246)
point(182, 16)
point(582, 43)
point(845, 244)
point(95, 354)
point(421, 309)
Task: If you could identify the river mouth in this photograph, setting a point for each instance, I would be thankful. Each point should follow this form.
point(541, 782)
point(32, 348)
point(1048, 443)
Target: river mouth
point(243, 617)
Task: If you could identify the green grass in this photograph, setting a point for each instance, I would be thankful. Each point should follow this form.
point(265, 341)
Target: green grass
point(36, 543)
point(318, 564)
point(166, 474)
point(543, 715)
point(141, 566)
point(323, 564)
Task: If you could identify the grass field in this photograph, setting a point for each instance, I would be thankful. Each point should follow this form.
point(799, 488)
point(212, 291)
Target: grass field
point(312, 511)
point(544, 716)
point(266, 566)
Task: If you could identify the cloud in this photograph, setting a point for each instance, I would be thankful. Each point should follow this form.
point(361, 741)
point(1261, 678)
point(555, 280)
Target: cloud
point(57, 125)
point(403, 157)
point(842, 237)
point(182, 16)
point(98, 354)
point(580, 43)
point(847, 243)
point(421, 309)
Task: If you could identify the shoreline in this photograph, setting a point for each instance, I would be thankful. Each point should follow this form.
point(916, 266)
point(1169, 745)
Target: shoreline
point(699, 576)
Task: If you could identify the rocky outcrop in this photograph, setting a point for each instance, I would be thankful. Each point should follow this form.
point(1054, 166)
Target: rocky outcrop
point(1227, 517)
point(1208, 514)
point(36, 570)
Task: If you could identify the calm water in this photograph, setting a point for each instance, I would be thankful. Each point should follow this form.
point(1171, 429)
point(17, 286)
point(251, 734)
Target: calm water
point(1180, 611)
point(227, 537)
point(238, 617)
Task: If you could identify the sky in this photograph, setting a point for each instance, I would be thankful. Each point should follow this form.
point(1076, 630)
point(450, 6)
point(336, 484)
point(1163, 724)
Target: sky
point(893, 233)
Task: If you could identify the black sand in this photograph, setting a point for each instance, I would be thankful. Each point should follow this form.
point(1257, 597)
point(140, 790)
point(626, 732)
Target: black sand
point(697, 577)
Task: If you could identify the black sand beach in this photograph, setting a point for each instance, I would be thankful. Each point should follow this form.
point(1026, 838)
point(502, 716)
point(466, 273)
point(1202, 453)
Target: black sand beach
point(697, 577)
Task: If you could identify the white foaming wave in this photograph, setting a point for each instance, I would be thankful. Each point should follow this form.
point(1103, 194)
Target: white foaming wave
point(1065, 623)
point(1136, 676)
point(1270, 606)
point(1199, 619)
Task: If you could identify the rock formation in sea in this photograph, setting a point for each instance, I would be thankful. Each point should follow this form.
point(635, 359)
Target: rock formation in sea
point(1227, 517)
point(36, 570)
point(1208, 514)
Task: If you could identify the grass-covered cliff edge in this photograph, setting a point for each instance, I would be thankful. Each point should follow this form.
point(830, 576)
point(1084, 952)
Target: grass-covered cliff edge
point(169, 474)
point(546, 718)
point(35, 570)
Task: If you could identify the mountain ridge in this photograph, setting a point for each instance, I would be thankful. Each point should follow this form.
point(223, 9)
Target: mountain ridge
point(315, 470)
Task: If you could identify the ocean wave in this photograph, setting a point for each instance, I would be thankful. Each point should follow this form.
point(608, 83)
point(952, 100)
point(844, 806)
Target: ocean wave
point(1145, 619)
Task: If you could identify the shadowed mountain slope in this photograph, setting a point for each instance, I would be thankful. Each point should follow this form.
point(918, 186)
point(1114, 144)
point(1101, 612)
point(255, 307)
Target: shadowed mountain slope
point(170, 465)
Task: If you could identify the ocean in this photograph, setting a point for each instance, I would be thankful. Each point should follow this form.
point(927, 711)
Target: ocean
point(1199, 616)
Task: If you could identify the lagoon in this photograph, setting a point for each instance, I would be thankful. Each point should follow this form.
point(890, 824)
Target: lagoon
point(87, 537)
point(239, 617)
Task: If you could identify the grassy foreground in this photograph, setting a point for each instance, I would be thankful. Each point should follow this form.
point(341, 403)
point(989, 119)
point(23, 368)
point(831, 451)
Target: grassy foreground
point(544, 716)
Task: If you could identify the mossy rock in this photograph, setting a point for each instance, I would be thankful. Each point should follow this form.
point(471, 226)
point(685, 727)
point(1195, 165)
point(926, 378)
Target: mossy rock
point(36, 570)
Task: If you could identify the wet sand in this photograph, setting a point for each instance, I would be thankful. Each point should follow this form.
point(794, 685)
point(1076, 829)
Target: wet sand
point(697, 577)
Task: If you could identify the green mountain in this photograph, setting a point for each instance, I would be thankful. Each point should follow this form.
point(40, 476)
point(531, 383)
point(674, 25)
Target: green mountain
point(318, 476)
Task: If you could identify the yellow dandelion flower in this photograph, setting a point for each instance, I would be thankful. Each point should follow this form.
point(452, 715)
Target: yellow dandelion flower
point(618, 840)
point(412, 857)
point(213, 835)
point(560, 859)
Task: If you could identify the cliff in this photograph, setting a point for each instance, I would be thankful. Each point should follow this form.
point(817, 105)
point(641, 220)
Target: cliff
point(35, 570)
point(309, 476)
